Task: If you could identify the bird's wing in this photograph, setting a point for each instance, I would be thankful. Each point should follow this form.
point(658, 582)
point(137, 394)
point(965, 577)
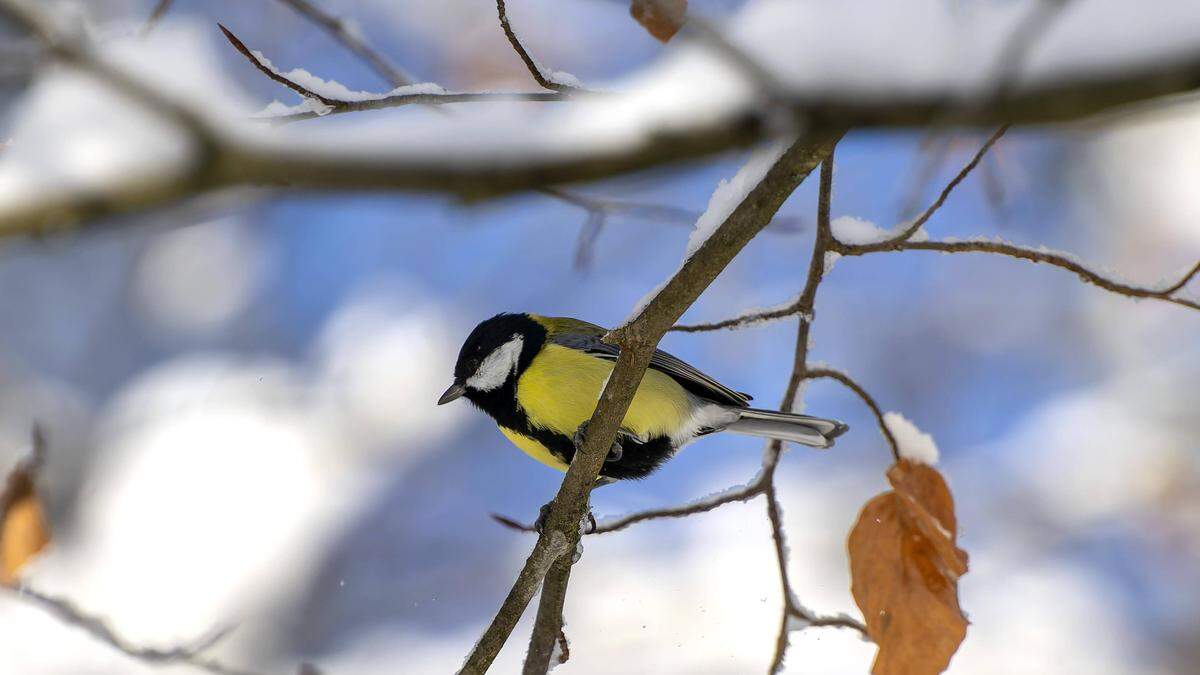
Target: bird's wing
point(586, 337)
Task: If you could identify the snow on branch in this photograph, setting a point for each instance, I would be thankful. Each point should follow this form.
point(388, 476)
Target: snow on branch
point(349, 36)
point(834, 68)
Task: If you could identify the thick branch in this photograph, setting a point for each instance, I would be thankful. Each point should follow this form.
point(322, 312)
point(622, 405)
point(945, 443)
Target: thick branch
point(548, 626)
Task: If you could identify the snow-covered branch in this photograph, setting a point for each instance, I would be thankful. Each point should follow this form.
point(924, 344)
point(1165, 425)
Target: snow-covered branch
point(690, 104)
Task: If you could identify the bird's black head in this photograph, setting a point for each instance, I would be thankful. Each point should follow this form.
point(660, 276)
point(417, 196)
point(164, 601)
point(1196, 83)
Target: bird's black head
point(493, 356)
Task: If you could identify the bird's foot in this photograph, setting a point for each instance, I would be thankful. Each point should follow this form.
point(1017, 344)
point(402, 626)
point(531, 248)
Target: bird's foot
point(614, 453)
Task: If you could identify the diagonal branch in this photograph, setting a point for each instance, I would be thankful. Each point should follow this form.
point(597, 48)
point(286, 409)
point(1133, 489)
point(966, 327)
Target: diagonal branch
point(192, 655)
point(156, 15)
point(352, 40)
point(912, 228)
point(532, 66)
point(275, 75)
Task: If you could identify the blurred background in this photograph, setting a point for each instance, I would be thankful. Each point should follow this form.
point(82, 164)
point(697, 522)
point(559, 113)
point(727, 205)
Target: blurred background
point(239, 393)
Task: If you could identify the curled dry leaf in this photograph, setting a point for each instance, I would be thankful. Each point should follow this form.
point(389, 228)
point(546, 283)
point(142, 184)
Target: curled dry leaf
point(904, 569)
point(660, 18)
point(23, 528)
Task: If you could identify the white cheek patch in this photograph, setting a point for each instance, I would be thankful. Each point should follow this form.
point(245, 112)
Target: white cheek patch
point(498, 366)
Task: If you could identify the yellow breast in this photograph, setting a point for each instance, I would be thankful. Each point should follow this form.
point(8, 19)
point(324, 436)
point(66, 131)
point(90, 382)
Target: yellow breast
point(560, 388)
point(534, 449)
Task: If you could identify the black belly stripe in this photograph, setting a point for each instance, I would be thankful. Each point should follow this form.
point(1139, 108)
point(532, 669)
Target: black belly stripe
point(638, 459)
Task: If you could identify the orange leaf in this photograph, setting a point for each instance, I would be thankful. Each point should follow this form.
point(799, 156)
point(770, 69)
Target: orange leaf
point(23, 528)
point(904, 570)
point(660, 18)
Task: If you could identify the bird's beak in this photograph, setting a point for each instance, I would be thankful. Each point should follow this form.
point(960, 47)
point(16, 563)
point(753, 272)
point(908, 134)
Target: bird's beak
point(456, 390)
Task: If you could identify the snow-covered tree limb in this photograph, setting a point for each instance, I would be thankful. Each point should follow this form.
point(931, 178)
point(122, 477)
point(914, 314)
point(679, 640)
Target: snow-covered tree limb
point(672, 112)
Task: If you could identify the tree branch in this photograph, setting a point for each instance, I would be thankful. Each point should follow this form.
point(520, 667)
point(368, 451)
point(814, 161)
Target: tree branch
point(156, 15)
point(637, 341)
point(351, 39)
point(915, 225)
point(829, 373)
point(192, 655)
point(1060, 260)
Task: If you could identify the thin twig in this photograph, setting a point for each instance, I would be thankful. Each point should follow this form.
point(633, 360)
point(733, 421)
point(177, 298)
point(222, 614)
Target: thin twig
point(1062, 261)
point(336, 106)
point(746, 320)
point(829, 373)
point(806, 307)
point(337, 28)
point(532, 66)
point(272, 74)
point(741, 494)
point(66, 612)
point(156, 15)
point(915, 225)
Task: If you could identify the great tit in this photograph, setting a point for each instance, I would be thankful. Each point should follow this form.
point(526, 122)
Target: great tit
point(539, 377)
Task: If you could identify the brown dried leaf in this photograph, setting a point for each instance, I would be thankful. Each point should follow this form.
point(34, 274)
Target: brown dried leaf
point(660, 18)
point(23, 528)
point(904, 570)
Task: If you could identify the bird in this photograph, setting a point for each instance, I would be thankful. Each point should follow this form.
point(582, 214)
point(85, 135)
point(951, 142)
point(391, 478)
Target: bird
point(540, 377)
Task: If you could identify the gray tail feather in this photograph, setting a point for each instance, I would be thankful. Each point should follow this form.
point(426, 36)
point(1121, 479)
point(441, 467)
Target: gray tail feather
point(804, 429)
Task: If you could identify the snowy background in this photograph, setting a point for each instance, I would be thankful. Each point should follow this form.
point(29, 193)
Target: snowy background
point(239, 393)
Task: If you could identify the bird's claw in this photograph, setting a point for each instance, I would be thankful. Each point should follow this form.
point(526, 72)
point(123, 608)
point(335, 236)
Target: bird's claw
point(544, 514)
point(614, 453)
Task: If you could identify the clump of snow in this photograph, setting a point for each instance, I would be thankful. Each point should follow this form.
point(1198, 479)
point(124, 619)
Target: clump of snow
point(912, 443)
point(831, 258)
point(332, 89)
point(558, 76)
point(852, 230)
point(730, 193)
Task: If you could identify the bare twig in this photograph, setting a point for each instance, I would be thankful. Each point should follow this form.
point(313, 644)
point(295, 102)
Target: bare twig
point(1062, 261)
point(156, 15)
point(337, 105)
point(915, 225)
point(66, 611)
point(352, 40)
point(588, 234)
point(807, 307)
point(829, 373)
point(739, 494)
point(745, 320)
point(532, 66)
